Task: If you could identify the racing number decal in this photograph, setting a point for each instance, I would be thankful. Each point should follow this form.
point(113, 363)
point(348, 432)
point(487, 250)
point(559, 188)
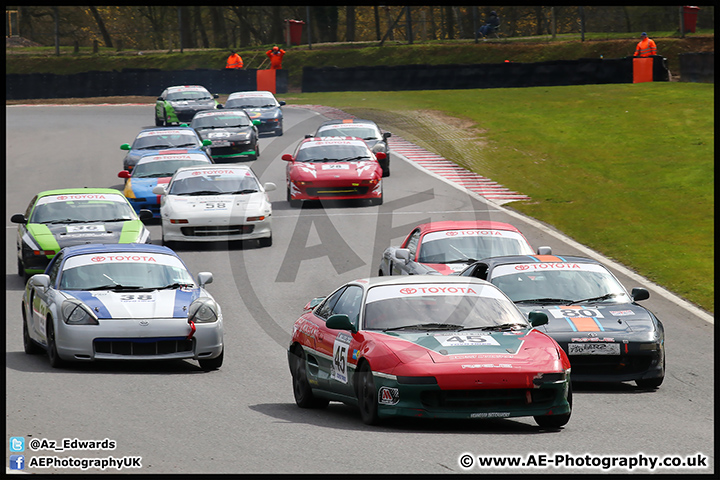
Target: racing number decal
point(340, 354)
point(460, 340)
point(576, 312)
point(216, 206)
point(131, 297)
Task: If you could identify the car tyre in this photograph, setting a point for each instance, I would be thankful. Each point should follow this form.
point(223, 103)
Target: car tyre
point(377, 201)
point(21, 270)
point(293, 203)
point(651, 383)
point(386, 171)
point(367, 396)
point(210, 364)
point(265, 242)
point(158, 121)
point(302, 391)
point(53, 356)
point(30, 347)
point(556, 421)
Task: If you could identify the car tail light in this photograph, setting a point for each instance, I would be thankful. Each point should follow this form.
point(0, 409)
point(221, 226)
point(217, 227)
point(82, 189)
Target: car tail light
point(178, 220)
point(43, 252)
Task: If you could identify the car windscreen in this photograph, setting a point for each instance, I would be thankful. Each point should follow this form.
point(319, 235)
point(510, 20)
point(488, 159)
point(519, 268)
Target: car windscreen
point(560, 281)
point(162, 169)
point(79, 211)
point(158, 142)
point(464, 306)
point(454, 246)
point(249, 102)
point(124, 271)
point(197, 183)
point(333, 153)
point(221, 121)
point(188, 95)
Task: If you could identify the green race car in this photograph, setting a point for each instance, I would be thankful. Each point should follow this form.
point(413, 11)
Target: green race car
point(73, 216)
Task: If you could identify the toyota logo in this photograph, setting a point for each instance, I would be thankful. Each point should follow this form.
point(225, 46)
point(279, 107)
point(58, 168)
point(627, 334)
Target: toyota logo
point(62, 197)
point(144, 323)
point(407, 291)
point(451, 234)
point(522, 267)
point(97, 259)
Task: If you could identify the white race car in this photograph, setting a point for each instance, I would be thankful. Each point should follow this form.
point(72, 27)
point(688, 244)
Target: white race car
point(215, 203)
point(121, 302)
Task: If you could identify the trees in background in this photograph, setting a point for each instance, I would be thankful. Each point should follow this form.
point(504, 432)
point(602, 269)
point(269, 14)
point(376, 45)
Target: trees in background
point(157, 27)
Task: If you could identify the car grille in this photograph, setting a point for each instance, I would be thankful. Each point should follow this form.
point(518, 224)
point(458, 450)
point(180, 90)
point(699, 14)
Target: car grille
point(511, 397)
point(336, 191)
point(609, 364)
point(217, 230)
point(234, 150)
point(142, 346)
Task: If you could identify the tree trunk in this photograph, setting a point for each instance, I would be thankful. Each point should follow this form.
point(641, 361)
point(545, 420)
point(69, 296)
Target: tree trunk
point(350, 23)
point(377, 22)
point(201, 28)
point(101, 27)
point(450, 23)
point(220, 36)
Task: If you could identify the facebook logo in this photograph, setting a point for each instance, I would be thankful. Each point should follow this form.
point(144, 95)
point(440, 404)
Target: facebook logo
point(17, 444)
point(17, 462)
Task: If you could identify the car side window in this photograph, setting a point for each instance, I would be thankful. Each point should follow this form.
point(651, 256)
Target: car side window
point(481, 271)
point(54, 268)
point(326, 308)
point(349, 303)
point(413, 242)
point(29, 208)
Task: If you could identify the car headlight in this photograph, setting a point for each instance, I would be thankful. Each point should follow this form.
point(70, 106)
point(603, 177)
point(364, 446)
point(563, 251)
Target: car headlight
point(75, 312)
point(204, 310)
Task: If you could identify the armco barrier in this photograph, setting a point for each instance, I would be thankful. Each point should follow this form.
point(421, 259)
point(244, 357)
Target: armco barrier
point(697, 67)
point(493, 75)
point(135, 82)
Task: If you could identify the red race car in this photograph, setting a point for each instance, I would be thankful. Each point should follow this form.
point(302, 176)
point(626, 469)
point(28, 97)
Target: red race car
point(337, 168)
point(444, 248)
point(428, 346)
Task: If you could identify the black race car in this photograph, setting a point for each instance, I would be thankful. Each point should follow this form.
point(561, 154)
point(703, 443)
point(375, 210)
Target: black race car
point(365, 129)
point(260, 105)
point(606, 334)
point(234, 136)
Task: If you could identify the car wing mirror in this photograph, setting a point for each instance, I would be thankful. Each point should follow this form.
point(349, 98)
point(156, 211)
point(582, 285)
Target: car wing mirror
point(544, 250)
point(381, 155)
point(145, 214)
point(269, 186)
point(206, 142)
point(40, 281)
point(125, 146)
point(403, 254)
point(537, 318)
point(340, 321)
point(639, 293)
point(287, 157)
point(18, 218)
point(281, 102)
point(204, 278)
point(124, 174)
point(387, 135)
point(159, 190)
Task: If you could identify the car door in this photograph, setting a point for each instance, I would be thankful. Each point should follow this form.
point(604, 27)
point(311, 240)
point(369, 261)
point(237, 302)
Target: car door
point(338, 345)
point(323, 349)
point(40, 299)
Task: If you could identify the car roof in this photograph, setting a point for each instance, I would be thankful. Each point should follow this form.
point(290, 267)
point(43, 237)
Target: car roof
point(98, 248)
point(159, 129)
point(186, 87)
point(249, 93)
point(166, 155)
point(513, 259)
point(465, 225)
point(219, 167)
point(79, 191)
point(417, 280)
point(329, 140)
point(216, 113)
point(347, 120)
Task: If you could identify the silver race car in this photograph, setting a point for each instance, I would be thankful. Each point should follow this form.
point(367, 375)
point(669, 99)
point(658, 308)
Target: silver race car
point(121, 302)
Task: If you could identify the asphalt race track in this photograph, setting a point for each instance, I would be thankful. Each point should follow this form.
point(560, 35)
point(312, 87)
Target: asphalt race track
point(242, 418)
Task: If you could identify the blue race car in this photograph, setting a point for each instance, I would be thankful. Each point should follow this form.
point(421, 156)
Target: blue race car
point(152, 170)
point(163, 140)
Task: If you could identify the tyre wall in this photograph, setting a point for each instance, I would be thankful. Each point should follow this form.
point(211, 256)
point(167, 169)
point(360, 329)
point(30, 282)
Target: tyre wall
point(493, 75)
point(140, 82)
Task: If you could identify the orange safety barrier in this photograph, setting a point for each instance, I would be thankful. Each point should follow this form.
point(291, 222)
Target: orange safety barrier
point(266, 80)
point(642, 69)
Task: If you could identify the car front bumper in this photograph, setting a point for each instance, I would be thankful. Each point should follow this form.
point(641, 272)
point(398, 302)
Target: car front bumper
point(139, 339)
point(217, 229)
